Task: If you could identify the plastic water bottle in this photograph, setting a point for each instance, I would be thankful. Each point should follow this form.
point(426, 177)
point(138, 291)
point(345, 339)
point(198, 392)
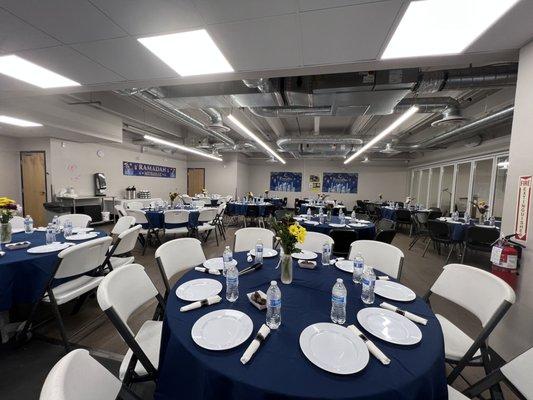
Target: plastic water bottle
point(369, 281)
point(326, 253)
point(309, 213)
point(467, 217)
point(50, 234)
point(321, 219)
point(342, 219)
point(55, 224)
point(492, 221)
point(227, 260)
point(67, 228)
point(338, 302)
point(259, 251)
point(232, 283)
point(358, 267)
point(28, 224)
point(273, 314)
point(352, 215)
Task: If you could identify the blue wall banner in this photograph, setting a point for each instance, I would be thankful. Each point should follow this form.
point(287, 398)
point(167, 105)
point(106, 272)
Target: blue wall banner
point(339, 182)
point(286, 181)
point(140, 169)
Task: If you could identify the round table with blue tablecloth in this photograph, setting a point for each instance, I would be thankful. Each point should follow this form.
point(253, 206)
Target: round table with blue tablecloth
point(279, 370)
point(366, 232)
point(156, 219)
point(316, 208)
point(458, 228)
point(239, 208)
point(23, 275)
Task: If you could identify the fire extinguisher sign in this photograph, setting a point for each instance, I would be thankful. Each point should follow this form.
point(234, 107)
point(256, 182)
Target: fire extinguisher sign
point(522, 207)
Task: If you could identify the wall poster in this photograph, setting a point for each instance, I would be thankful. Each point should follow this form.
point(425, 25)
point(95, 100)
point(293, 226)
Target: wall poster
point(286, 181)
point(140, 169)
point(314, 183)
point(339, 182)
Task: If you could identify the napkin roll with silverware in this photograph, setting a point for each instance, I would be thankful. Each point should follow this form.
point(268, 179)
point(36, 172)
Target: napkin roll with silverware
point(372, 348)
point(202, 303)
point(207, 270)
point(406, 314)
point(252, 348)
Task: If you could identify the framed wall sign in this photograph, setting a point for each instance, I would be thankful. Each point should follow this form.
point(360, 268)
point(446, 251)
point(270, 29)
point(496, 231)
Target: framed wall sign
point(140, 169)
point(339, 182)
point(286, 181)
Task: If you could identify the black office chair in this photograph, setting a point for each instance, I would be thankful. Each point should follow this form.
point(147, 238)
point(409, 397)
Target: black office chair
point(385, 224)
point(386, 236)
point(342, 238)
point(440, 234)
point(403, 218)
point(479, 238)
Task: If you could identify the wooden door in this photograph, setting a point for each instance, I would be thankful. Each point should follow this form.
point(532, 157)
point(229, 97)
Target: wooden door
point(33, 175)
point(195, 180)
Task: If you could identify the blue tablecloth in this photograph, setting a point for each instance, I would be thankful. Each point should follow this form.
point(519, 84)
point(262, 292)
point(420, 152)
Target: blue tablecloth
point(279, 370)
point(275, 201)
point(367, 232)
point(156, 218)
point(23, 275)
point(240, 208)
point(458, 230)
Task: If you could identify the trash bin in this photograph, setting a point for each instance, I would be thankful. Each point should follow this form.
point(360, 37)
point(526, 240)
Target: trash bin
point(106, 216)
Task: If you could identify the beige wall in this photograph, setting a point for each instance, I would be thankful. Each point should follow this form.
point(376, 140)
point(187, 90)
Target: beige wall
point(10, 168)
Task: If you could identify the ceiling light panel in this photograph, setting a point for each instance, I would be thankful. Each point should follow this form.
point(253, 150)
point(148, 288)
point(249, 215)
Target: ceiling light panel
point(180, 147)
point(441, 27)
point(188, 53)
point(26, 71)
point(4, 119)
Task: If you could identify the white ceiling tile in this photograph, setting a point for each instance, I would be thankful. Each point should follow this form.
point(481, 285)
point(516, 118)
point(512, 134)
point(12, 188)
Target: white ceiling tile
point(17, 35)
point(308, 5)
point(69, 21)
point(346, 34)
point(237, 10)
point(127, 57)
point(141, 17)
point(259, 44)
point(70, 63)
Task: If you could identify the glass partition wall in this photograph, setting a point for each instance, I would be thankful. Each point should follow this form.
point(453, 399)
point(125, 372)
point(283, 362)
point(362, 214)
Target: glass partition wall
point(457, 185)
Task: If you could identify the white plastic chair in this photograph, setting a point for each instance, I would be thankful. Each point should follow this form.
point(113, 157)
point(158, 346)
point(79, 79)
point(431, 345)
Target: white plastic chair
point(146, 229)
point(207, 222)
point(187, 200)
point(120, 253)
point(176, 217)
point(314, 242)
point(78, 376)
point(176, 256)
point(134, 205)
point(484, 295)
point(122, 224)
point(17, 223)
point(121, 211)
point(78, 220)
point(382, 256)
point(122, 292)
point(246, 238)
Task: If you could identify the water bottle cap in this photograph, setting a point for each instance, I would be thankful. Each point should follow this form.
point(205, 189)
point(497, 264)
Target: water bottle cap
point(339, 280)
point(273, 283)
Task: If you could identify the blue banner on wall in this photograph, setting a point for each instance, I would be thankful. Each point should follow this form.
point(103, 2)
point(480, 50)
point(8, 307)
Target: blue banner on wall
point(339, 182)
point(140, 169)
point(286, 181)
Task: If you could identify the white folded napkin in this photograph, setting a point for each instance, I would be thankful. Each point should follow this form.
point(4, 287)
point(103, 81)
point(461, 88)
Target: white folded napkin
point(406, 314)
point(332, 262)
point(383, 278)
point(201, 303)
point(252, 348)
point(2, 253)
point(207, 270)
point(372, 348)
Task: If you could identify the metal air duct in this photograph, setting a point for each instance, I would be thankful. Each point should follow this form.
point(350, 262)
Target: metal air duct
point(321, 139)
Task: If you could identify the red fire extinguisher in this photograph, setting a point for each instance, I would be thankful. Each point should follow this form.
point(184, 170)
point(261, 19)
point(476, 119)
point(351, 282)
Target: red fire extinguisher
point(505, 259)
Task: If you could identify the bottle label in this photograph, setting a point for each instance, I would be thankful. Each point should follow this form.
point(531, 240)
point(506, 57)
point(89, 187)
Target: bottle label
point(232, 281)
point(358, 265)
point(338, 299)
point(275, 303)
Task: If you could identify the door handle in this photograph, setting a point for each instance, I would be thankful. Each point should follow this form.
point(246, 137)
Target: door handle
point(43, 192)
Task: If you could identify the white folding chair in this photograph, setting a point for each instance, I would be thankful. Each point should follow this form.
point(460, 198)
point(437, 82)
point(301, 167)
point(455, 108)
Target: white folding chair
point(122, 292)
point(122, 224)
point(314, 242)
point(17, 223)
point(147, 230)
point(121, 211)
point(78, 376)
point(176, 256)
point(246, 238)
point(134, 205)
point(78, 220)
point(484, 295)
point(382, 256)
point(187, 200)
point(176, 222)
point(207, 223)
point(73, 262)
point(120, 252)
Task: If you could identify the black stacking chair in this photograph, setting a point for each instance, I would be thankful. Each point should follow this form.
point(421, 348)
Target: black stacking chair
point(403, 217)
point(363, 216)
point(400, 204)
point(284, 204)
point(386, 236)
point(371, 210)
point(252, 212)
point(342, 238)
point(361, 204)
point(435, 209)
point(385, 224)
point(434, 214)
point(419, 227)
point(479, 238)
point(279, 214)
point(440, 235)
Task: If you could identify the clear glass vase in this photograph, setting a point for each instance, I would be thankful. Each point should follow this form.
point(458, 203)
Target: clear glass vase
point(286, 268)
point(5, 232)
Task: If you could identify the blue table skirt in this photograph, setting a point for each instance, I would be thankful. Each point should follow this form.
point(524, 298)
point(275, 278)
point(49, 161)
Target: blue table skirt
point(23, 276)
point(367, 232)
point(240, 209)
point(156, 219)
point(279, 370)
point(388, 213)
point(458, 231)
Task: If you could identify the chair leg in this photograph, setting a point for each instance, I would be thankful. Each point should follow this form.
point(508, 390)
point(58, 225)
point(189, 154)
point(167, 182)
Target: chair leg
point(216, 235)
point(79, 303)
point(426, 248)
point(145, 244)
point(59, 320)
point(413, 242)
point(452, 247)
point(463, 256)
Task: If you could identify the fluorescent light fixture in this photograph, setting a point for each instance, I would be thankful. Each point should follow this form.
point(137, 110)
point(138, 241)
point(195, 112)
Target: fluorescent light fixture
point(404, 117)
point(252, 135)
point(18, 122)
point(180, 147)
point(188, 53)
point(24, 70)
point(438, 27)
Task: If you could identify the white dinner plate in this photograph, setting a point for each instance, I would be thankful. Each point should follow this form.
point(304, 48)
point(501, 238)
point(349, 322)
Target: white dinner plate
point(305, 255)
point(82, 236)
point(222, 329)
point(345, 265)
point(362, 221)
point(49, 248)
point(393, 291)
point(198, 289)
point(267, 252)
point(82, 230)
point(334, 348)
point(389, 326)
point(357, 225)
point(216, 263)
point(311, 222)
point(337, 225)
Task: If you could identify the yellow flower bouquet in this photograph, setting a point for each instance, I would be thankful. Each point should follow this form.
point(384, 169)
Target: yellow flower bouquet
point(289, 233)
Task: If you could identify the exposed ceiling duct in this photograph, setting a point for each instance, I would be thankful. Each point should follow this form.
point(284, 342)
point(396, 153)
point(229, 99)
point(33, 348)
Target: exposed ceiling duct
point(216, 124)
point(447, 106)
point(321, 139)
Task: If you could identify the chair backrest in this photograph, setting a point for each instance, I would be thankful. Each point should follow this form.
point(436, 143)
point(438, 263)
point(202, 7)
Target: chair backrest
point(478, 291)
point(176, 217)
point(126, 240)
point(279, 214)
point(179, 255)
point(422, 217)
point(139, 215)
point(78, 376)
point(207, 215)
point(122, 224)
point(518, 372)
point(121, 211)
point(363, 216)
point(381, 256)
point(134, 205)
point(434, 214)
point(17, 222)
point(481, 235)
point(385, 224)
point(386, 236)
point(403, 215)
point(343, 238)
point(125, 289)
point(199, 203)
point(438, 229)
point(186, 199)
point(252, 210)
point(314, 242)
point(246, 238)
point(82, 258)
point(78, 220)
